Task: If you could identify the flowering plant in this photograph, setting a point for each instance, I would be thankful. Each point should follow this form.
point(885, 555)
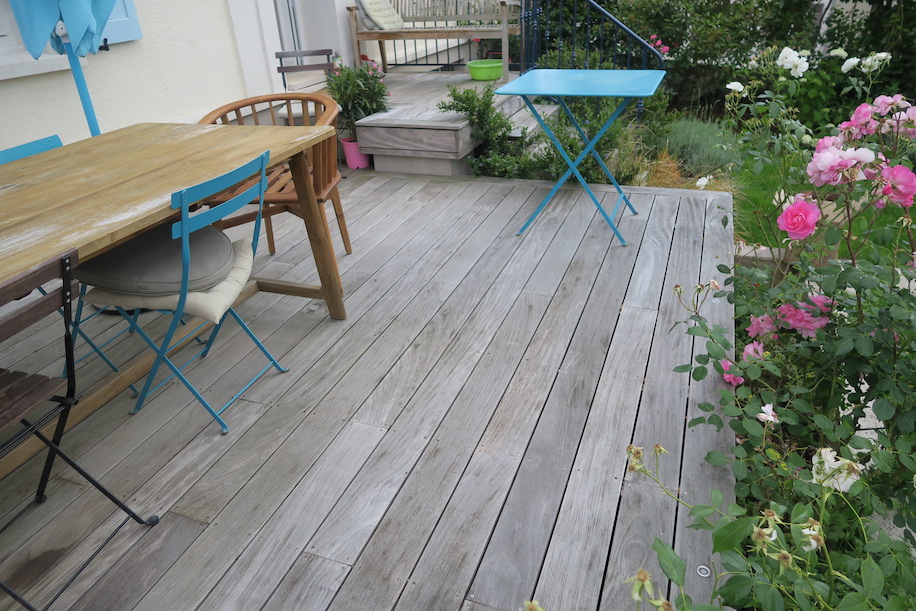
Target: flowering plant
point(359, 91)
point(822, 398)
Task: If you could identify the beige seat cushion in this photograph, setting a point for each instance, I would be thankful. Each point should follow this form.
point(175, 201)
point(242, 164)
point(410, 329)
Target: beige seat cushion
point(209, 304)
point(150, 264)
point(381, 14)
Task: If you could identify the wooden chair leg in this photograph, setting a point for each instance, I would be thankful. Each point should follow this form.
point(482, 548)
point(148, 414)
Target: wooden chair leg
point(341, 221)
point(269, 230)
point(384, 55)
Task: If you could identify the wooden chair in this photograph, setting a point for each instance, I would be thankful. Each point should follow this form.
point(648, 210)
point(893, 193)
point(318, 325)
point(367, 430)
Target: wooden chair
point(281, 196)
point(28, 401)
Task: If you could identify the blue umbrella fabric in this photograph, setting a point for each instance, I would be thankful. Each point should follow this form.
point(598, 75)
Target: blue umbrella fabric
point(84, 21)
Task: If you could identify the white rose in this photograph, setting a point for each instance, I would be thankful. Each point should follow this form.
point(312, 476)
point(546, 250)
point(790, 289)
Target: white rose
point(787, 57)
point(838, 52)
point(702, 182)
point(735, 86)
point(849, 64)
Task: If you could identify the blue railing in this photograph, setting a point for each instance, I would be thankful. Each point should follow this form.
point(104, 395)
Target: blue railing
point(580, 34)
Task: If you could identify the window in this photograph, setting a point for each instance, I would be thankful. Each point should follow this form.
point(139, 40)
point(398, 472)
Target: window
point(15, 61)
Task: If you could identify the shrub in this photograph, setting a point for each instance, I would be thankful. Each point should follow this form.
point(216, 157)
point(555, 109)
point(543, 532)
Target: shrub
point(701, 147)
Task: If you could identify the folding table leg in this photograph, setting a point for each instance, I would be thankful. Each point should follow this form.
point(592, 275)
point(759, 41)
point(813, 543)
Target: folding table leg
point(574, 169)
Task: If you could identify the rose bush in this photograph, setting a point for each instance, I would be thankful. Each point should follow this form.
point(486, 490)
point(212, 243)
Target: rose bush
point(821, 394)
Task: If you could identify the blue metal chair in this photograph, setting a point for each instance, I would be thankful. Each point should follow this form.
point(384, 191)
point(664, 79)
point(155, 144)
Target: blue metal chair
point(116, 276)
point(27, 150)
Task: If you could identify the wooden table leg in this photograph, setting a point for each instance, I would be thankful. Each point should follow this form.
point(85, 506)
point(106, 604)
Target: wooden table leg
point(316, 226)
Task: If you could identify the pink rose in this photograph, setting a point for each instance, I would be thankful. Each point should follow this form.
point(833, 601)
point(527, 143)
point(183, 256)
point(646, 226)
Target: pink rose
point(885, 103)
point(761, 326)
point(732, 379)
point(821, 302)
point(753, 351)
point(801, 320)
point(665, 48)
point(899, 184)
point(800, 219)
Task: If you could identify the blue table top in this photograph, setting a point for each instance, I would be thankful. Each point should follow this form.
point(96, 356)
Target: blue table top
point(590, 83)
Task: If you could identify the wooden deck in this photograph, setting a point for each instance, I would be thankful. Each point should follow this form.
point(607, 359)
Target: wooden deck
point(456, 443)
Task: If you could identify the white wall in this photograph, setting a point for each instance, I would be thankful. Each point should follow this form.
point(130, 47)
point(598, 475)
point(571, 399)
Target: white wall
point(186, 65)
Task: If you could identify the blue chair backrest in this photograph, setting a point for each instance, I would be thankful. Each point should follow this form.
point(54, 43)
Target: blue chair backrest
point(30, 148)
point(182, 200)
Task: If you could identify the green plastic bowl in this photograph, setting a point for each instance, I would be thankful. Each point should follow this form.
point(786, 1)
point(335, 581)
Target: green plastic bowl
point(486, 69)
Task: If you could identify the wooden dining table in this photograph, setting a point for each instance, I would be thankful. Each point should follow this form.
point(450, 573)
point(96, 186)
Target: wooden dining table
point(99, 192)
point(96, 193)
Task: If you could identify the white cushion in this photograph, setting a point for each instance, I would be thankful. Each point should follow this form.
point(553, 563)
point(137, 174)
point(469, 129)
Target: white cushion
point(382, 14)
point(210, 304)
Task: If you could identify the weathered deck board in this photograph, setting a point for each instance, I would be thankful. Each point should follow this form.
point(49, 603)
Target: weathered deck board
point(456, 443)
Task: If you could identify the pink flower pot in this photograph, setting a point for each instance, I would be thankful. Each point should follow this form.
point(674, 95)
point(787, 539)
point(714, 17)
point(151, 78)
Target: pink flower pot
point(355, 158)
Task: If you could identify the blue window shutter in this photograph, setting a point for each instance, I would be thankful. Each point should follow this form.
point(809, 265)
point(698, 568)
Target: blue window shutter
point(123, 24)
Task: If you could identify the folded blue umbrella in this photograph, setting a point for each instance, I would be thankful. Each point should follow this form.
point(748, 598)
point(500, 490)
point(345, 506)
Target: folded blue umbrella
point(84, 21)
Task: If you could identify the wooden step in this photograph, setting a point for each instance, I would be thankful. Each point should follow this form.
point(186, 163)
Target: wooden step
point(523, 119)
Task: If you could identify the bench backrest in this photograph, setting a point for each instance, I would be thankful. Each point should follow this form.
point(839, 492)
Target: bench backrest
point(434, 8)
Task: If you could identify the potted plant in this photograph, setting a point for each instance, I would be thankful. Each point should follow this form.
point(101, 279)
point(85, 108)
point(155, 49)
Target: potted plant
point(360, 92)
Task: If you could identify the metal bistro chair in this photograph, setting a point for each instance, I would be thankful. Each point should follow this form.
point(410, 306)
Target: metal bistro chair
point(302, 62)
point(24, 395)
point(33, 148)
point(186, 267)
point(281, 196)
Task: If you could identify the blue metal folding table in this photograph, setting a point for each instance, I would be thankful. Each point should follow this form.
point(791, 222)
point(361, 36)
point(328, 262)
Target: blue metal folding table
point(559, 84)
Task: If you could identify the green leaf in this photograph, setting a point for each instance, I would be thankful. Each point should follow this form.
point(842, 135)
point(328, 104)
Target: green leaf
point(739, 469)
point(699, 373)
point(843, 347)
point(754, 372)
point(701, 511)
point(853, 602)
point(833, 235)
point(737, 587)
point(732, 535)
point(753, 427)
point(872, 578)
point(770, 598)
point(716, 497)
point(696, 421)
point(672, 565)
point(883, 409)
point(865, 346)
point(683, 368)
point(717, 458)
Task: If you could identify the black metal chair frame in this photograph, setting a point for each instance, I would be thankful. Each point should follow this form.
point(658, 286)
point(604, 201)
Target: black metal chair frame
point(22, 393)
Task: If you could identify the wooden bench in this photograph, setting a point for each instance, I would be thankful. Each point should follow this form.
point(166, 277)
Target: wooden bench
point(496, 21)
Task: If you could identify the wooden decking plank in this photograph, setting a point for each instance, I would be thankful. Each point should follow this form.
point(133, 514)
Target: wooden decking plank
point(644, 513)
point(659, 421)
point(447, 309)
point(367, 499)
point(143, 565)
point(313, 435)
point(446, 566)
point(512, 560)
point(260, 568)
point(398, 279)
point(508, 260)
point(385, 564)
point(94, 517)
point(309, 585)
point(569, 577)
point(694, 545)
point(206, 500)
